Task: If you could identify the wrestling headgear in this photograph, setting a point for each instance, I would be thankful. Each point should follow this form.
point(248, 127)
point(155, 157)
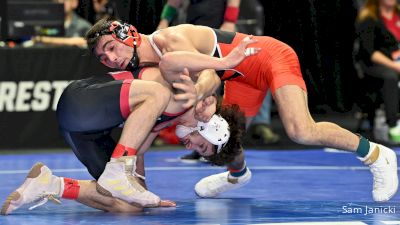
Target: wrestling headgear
point(216, 131)
point(128, 35)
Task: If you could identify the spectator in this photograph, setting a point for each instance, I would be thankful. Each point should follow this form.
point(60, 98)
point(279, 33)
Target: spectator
point(75, 27)
point(104, 8)
point(378, 25)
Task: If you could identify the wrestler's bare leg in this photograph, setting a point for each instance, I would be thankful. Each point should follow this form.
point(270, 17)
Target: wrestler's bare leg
point(291, 101)
point(301, 128)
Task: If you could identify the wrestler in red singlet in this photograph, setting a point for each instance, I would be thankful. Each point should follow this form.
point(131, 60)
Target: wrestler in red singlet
point(274, 66)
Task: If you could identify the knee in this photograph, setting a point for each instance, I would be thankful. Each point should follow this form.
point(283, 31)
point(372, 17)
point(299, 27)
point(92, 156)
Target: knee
point(300, 132)
point(161, 97)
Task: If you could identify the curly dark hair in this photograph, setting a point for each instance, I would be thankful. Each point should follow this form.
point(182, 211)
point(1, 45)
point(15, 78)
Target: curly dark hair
point(102, 27)
point(237, 127)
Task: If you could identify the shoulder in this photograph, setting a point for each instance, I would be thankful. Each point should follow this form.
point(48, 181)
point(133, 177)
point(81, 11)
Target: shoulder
point(184, 30)
point(367, 22)
point(175, 32)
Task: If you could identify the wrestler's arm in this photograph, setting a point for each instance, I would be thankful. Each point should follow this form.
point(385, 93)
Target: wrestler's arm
point(194, 88)
point(176, 61)
point(140, 165)
point(207, 81)
point(89, 196)
point(140, 156)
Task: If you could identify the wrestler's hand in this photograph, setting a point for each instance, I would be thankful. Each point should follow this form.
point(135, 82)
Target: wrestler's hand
point(163, 203)
point(240, 52)
point(187, 89)
point(167, 203)
point(205, 109)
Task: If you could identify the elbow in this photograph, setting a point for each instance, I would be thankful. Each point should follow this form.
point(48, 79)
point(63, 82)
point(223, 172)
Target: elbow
point(216, 80)
point(166, 62)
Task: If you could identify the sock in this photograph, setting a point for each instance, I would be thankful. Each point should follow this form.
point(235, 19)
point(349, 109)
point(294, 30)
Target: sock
point(121, 150)
point(238, 173)
point(69, 188)
point(363, 147)
point(56, 185)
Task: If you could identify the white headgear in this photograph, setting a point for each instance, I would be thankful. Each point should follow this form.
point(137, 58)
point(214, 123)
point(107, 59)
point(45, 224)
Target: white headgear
point(216, 131)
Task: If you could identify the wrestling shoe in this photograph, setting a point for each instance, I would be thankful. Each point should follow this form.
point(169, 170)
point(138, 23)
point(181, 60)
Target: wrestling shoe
point(40, 185)
point(214, 185)
point(120, 180)
point(383, 166)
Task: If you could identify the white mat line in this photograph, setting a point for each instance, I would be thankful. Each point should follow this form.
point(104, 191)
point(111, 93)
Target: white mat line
point(315, 223)
point(172, 168)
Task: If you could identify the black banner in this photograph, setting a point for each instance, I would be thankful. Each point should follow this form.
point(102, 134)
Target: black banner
point(31, 82)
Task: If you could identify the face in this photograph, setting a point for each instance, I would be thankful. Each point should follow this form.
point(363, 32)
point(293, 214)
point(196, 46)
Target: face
point(387, 3)
point(194, 141)
point(113, 53)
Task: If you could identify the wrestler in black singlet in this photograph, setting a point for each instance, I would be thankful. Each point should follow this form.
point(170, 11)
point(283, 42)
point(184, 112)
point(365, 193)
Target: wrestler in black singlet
point(87, 112)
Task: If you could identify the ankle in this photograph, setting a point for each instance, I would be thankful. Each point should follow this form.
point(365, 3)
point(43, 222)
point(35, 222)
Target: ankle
point(237, 172)
point(121, 150)
point(372, 155)
point(364, 147)
point(70, 188)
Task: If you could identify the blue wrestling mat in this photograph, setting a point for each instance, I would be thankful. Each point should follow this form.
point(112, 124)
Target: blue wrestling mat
point(316, 187)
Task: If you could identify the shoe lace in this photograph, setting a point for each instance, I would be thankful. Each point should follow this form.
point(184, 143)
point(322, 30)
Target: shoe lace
point(138, 175)
point(45, 197)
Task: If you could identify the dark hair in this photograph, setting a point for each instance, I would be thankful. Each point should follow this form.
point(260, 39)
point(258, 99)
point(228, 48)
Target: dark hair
point(237, 126)
point(102, 27)
point(370, 9)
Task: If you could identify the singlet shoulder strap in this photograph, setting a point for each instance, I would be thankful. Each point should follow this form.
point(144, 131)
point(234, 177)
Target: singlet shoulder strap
point(153, 44)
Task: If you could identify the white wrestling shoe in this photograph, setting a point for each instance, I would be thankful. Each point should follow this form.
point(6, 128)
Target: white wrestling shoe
point(40, 185)
point(119, 180)
point(383, 166)
point(214, 185)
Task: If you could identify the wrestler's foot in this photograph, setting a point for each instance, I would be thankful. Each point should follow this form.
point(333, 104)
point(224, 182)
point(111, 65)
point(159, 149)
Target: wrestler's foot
point(40, 185)
point(119, 180)
point(214, 185)
point(383, 165)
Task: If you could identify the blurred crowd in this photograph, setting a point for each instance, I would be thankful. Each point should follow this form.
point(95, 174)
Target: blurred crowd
point(376, 54)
